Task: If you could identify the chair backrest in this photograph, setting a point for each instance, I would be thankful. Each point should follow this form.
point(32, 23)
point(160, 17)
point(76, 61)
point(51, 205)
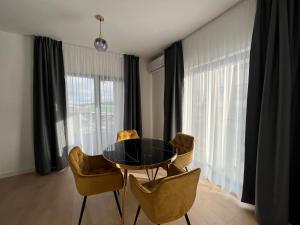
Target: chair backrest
point(183, 142)
point(174, 197)
point(78, 161)
point(127, 134)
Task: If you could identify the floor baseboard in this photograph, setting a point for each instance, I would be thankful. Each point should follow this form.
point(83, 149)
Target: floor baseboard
point(15, 173)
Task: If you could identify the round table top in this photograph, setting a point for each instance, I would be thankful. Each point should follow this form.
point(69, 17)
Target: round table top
point(138, 154)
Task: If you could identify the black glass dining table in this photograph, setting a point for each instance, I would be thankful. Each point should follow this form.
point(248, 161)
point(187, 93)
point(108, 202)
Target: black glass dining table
point(139, 154)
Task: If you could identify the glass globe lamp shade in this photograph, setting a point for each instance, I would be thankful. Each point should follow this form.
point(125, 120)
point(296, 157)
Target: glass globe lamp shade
point(100, 44)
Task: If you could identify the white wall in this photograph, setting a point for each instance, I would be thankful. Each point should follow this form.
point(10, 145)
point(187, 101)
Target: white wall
point(158, 82)
point(146, 99)
point(16, 147)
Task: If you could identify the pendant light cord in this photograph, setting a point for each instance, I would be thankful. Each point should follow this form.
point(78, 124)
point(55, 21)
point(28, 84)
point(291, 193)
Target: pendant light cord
point(100, 34)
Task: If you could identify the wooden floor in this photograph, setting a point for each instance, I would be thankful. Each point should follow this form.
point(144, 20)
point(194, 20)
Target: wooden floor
point(53, 200)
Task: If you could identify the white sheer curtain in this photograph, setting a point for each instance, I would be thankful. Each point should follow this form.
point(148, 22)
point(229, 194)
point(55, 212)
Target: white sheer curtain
point(216, 63)
point(94, 86)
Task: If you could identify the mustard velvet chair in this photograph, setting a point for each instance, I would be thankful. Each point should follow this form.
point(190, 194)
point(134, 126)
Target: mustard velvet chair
point(185, 149)
point(166, 199)
point(94, 175)
point(127, 134)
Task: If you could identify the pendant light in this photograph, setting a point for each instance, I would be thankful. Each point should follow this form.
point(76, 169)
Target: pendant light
point(99, 43)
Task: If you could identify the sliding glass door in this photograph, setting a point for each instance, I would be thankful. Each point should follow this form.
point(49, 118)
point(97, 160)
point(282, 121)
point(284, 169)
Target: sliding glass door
point(216, 64)
point(214, 112)
point(95, 111)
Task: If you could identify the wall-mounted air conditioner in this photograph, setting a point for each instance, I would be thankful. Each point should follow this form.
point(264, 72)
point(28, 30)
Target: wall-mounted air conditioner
point(156, 64)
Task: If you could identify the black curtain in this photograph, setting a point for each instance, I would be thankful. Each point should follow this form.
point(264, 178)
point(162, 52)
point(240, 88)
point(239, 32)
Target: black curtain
point(273, 109)
point(132, 99)
point(173, 94)
point(49, 106)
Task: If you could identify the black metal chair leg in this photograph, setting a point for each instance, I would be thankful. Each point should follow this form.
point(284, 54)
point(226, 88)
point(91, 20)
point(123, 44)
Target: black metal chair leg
point(82, 209)
point(148, 174)
point(117, 201)
point(137, 214)
point(187, 219)
point(156, 172)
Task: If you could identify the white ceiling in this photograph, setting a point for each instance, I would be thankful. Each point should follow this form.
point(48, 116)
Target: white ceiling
point(140, 27)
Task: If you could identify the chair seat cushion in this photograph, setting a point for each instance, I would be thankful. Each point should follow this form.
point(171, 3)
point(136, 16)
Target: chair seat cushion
point(98, 171)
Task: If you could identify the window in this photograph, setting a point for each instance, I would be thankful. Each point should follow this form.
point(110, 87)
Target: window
point(95, 111)
point(216, 64)
point(214, 112)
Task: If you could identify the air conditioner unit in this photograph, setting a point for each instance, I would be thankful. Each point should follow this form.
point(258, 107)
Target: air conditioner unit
point(156, 64)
